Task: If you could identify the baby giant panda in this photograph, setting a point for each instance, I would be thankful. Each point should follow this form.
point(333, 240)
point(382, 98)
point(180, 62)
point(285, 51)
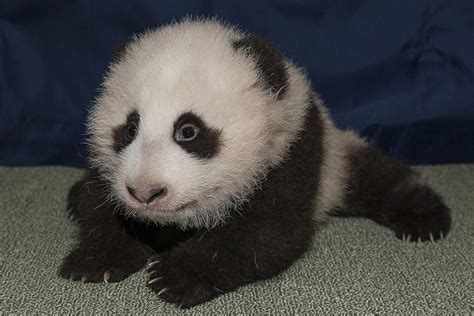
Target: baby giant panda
point(212, 162)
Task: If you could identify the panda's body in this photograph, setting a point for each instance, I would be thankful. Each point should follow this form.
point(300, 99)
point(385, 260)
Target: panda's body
point(212, 159)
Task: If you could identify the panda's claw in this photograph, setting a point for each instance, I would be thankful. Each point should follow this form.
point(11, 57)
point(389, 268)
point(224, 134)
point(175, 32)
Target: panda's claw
point(163, 290)
point(152, 264)
point(431, 237)
point(107, 276)
point(155, 280)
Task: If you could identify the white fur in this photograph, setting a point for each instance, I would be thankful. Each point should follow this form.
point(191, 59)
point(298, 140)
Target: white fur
point(335, 171)
point(192, 66)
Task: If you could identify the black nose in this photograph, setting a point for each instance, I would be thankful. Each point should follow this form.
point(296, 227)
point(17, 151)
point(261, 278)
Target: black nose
point(148, 195)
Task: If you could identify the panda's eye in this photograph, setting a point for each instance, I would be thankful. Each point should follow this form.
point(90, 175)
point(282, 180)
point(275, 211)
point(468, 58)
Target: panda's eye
point(132, 130)
point(187, 132)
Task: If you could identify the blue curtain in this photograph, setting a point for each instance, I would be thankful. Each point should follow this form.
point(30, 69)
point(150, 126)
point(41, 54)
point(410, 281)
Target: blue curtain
point(399, 72)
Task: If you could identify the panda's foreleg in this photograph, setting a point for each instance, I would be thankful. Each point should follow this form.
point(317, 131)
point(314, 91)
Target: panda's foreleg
point(220, 260)
point(73, 201)
point(106, 251)
point(392, 194)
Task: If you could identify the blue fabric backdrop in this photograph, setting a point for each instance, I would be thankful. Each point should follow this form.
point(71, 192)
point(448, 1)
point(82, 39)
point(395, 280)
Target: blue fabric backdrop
point(400, 72)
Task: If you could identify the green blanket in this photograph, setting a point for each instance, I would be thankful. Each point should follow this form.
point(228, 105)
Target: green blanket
point(354, 265)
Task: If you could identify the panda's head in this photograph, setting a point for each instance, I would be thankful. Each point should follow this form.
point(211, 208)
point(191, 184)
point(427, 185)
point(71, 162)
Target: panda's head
point(191, 118)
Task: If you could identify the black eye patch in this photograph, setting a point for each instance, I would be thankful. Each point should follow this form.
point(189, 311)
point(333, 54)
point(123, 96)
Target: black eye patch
point(124, 134)
point(205, 143)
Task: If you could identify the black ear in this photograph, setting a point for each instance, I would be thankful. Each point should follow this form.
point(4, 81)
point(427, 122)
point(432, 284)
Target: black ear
point(119, 51)
point(268, 60)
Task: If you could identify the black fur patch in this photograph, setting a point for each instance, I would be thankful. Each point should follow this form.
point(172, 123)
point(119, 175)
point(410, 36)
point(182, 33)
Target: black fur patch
point(388, 192)
point(206, 144)
point(105, 242)
point(121, 137)
point(108, 241)
point(269, 62)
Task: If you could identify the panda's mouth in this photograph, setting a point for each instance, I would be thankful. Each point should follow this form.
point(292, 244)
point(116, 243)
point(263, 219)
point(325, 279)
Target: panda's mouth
point(182, 207)
point(178, 209)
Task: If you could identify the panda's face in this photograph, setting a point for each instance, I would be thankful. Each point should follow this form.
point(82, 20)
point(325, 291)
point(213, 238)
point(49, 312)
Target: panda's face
point(182, 129)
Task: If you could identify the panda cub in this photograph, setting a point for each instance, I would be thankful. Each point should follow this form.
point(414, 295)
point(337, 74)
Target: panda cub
point(212, 162)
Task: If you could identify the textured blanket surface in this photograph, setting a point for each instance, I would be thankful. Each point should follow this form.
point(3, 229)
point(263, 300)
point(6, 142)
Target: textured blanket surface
point(354, 264)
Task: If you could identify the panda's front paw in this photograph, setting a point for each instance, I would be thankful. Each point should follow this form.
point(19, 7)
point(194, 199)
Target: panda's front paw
point(424, 225)
point(85, 266)
point(178, 283)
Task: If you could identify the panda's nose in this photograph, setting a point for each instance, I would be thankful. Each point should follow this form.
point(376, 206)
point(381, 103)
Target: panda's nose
point(148, 195)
